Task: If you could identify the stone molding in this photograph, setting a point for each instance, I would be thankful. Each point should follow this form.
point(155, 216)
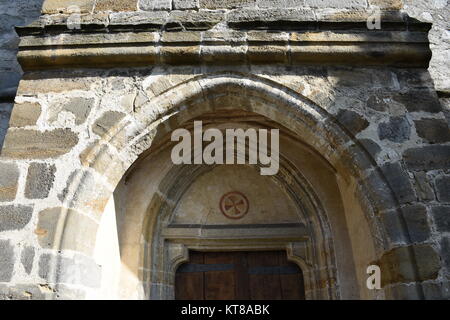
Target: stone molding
point(399, 48)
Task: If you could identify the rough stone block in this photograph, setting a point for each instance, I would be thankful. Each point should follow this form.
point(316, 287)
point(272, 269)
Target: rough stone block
point(436, 290)
point(338, 4)
point(31, 84)
point(39, 180)
point(195, 20)
point(63, 6)
point(247, 17)
point(25, 292)
point(116, 5)
point(280, 3)
point(352, 121)
point(402, 291)
point(423, 187)
point(27, 259)
point(79, 107)
point(79, 270)
point(150, 5)
point(420, 100)
point(33, 144)
point(107, 121)
point(443, 188)
point(371, 147)
point(46, 227)
point(428, 157)
point(399, 181)
point(397, 129)
point(226, 4)
point(72, 240)
point(417, 222)
point(25, 114)
point(185, 4)
point(387, 4)
point(441, 216)
point(154, 18)
point(14, 217)
point(9, 176)
point(397, 266)
point(433, 130)
point(6, 260)
point(378, 193)
point(414, 217)
point(445, 253)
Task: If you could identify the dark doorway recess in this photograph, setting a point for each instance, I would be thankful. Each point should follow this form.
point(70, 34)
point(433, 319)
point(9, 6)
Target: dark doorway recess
point(259, 275)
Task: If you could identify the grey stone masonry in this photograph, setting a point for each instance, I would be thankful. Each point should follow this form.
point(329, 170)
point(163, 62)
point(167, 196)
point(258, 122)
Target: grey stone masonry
point(6, 260)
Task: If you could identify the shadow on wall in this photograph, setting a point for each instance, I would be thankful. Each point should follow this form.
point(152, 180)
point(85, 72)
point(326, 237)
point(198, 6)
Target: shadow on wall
point(12, 14)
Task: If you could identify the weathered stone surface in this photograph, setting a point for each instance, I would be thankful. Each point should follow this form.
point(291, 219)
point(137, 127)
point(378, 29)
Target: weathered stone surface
point(399, 182)
point(397, 129)
point(79, 107)
point(397, 266)
point(25, 292)
point(14, 217)
point(445, 252)
point(379, 193)
point(377, 103)
point(413, 217)
point(27, 258)
point(428, 157)
point(195, 20)
point(33, 144)
point(424, 100)
point(25, 114)
point(9, 176)
point(433, 130)
point(437, 290)
point(46, 226)
point(79, 270)
point(371, 147)
point(417, 223)
point(225, 4)
point(404, 291)
point(30, 85)
point(90, 195)
point(39, 180)
point(239, 17)
point(64, 6)
point(155, 5)
point(443, 188)
point(123, 18)
point(424, 190)
point(185, 4)
point(71, 239)
point(5, 114)
point(116, 5)
point(108, 120)
point(6, 260)
point(339, 4)
point(280, 4)
point(352, 121)
point(387, 4)
point(441, 216)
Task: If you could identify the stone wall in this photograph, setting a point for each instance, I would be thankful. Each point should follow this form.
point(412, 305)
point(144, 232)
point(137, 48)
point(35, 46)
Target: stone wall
point(74, 133)
point(21, 12)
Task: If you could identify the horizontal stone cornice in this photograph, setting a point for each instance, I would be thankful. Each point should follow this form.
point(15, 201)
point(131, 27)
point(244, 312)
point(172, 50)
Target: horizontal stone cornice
point(113, 49)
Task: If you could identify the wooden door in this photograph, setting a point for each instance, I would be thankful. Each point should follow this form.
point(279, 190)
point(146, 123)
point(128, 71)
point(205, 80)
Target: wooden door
point(264, 275)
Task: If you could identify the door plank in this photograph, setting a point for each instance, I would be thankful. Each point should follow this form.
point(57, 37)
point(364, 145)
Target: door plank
point(220, 285)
